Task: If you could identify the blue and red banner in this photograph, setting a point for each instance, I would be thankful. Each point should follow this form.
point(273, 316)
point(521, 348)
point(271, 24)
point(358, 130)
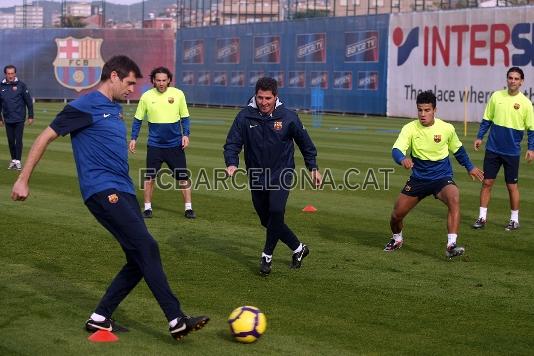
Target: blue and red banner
point(193, 52)
point(227, 51)
point(66, 63)
point(311, 48)
point(267, 49)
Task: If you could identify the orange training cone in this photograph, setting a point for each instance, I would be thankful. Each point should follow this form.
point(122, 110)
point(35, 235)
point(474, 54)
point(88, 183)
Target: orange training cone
point(309, 209)
point(103, 336)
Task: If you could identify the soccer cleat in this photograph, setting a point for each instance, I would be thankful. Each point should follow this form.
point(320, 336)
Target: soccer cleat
point(107, 325)
point(453, 251)
point(265, 267)
point(299, 256)
point(393, 245)
point(18, 166)
point(512, 225)
point(187, 324)
point(190, 214)
point(147, 214)
point(479, 224)
point(12, 165)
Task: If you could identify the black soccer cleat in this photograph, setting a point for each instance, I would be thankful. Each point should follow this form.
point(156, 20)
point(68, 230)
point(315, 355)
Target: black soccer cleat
point(453, 251)
point(512, 225)
point(265, 267)
point(299, 256)
point(190, 214)
point(479, 223)
point(107, 325)
point(147, 214)
point(187, 324)
point(393, 245)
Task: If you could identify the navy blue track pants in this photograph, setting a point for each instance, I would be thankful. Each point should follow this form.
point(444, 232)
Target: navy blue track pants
point(119, 213)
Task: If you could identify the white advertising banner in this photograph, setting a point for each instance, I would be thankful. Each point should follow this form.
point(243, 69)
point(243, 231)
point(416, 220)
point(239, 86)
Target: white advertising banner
point(462, 56)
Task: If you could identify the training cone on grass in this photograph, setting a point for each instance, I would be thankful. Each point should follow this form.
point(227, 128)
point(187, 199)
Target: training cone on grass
point(103, 336)
point(309, 209)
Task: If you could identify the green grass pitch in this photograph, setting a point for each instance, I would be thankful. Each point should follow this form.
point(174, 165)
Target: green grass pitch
point(349, 297)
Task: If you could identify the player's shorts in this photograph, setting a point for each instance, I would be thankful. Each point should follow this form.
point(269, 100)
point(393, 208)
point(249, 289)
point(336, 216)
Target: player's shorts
point(493, 162)
point(174, 157)
point(423, 188)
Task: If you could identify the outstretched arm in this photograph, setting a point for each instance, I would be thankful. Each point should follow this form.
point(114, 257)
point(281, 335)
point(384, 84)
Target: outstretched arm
point(463, 158)
point(21, 188)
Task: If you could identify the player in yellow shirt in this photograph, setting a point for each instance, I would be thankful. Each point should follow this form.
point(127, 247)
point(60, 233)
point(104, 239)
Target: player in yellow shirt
point(168, 136)
point(430, 140)
point(507, 115)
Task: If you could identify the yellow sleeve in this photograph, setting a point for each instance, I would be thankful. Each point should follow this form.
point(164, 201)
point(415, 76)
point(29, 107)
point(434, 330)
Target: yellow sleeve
point(184, 112)
point(454, 141)
point(140, 113)
point(489, 112)
point(529, 116)
point(404, 141)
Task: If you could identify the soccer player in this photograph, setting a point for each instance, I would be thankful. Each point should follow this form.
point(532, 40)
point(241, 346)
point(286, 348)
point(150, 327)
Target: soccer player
point(14, 99)
point(430, 140)
point(267, 130)
point(507, 115)
point(98, 135)
point(168, 136)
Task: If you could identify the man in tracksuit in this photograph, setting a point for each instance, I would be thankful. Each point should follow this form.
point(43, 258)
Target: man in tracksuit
point(14, 98)
point(98, 136)
point(267, 130)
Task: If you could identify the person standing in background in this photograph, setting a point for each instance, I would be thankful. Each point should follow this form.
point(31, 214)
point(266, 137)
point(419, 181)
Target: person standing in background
point(14, 99)
point(507, 115)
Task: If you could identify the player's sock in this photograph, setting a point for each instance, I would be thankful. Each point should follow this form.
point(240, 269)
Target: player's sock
point(173, 322)
point(483, 213)
point(514, 215)
point(148, 206)
point(188, 206)
point(451, 239)
point(267, 257)
point(298, 249)
point(97, 317)
point(397, 237)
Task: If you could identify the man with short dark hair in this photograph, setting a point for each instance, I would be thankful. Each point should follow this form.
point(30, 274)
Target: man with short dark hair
point(14, 99)
point(98, 135)
point(267, 130)
point(507, 115)
point(168, 136)
point(430, 140)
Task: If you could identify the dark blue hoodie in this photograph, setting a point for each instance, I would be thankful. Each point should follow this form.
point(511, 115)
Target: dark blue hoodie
point(268, 140)
point(14, 98)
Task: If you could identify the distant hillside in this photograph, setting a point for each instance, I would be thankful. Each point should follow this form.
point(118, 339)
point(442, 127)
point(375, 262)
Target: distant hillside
point(115, 12)
point(124, 13)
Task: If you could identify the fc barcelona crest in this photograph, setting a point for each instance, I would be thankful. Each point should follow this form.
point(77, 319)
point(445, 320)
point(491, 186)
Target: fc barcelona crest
point(78, 63)
point(437, 138)
point(113, 198)
point(278, 125)
point(170, 100)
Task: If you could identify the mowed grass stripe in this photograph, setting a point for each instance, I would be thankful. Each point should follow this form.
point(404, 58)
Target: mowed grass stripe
point(348, 298)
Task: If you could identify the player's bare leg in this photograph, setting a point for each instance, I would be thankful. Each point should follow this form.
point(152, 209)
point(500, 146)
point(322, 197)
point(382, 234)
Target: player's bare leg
point(402, 207)
point(148, 191)
point(450, 196)
point(185, 187)
point(513, 193)
point(485, 195)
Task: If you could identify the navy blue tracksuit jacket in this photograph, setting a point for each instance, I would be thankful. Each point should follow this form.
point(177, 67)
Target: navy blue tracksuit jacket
point(14, 98)
point(268, 141)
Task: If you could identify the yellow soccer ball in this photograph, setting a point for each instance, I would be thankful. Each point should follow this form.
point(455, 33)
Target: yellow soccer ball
point(247, 324)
